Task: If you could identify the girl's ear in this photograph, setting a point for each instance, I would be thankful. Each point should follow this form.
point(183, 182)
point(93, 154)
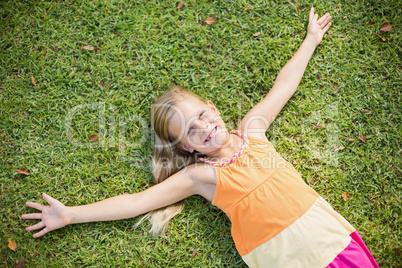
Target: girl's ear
point(210, 104)
point(185, 148)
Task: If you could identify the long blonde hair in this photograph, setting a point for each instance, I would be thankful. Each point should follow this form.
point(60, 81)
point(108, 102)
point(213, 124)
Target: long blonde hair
point(168, 158)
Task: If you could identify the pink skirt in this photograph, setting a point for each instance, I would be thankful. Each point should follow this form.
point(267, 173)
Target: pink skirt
point(355, 255)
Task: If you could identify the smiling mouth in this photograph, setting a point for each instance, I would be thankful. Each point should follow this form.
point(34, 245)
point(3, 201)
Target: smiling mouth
point(211, 134)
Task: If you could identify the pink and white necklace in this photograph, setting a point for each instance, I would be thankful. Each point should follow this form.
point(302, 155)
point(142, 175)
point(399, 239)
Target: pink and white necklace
point(229, 161)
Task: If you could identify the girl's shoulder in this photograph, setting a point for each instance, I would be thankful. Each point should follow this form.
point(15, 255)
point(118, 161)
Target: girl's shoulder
point(204, 178)
point(255, 134)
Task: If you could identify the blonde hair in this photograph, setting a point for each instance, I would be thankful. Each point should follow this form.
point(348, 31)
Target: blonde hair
point(168, 158)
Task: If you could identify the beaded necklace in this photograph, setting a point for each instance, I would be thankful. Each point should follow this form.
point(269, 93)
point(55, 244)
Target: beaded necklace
point(229, 161)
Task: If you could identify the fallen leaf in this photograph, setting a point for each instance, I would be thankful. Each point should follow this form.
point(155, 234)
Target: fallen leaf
point(93, 137)
point(23, 171)
point(318, 77)
point(181, 5)
point(12, 245)
point(90, 48)
point(345, 196)
point(351, 139)
point(318, 126)
point(340, 148)
point(194, 252)
point(385, 27)
point(33, 81)
point(344, 17)
point(257, 34)
point(366, 111)
point(382, 38)
point(20, 263)
point(355, 122)
point(210, 20)
point(247, 8)
point(398, 251)
point(209, 46)
point(362, 138)
point(372, 22)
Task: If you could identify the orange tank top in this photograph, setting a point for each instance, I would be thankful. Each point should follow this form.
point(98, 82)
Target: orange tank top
point(261, 193)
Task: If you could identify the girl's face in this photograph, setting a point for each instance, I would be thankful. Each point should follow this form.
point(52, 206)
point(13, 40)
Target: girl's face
point(198, 126)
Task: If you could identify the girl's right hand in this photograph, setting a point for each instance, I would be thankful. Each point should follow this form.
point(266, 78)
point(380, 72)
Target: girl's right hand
point(52, 217)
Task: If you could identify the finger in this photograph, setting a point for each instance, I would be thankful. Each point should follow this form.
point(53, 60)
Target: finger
point(37, 226)
point(323, 18)
point(327, 19)
point(39, 234)
point(48, 198)
point(311, 13)
point(34, 205)
point(326, 27)
point(32, 216)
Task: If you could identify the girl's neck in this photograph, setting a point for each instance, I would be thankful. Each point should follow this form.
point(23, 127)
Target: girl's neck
point(231, 146)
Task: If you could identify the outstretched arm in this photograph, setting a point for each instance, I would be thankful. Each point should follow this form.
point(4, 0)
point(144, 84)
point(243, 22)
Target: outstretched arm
point(57, 215)
point(258, 119)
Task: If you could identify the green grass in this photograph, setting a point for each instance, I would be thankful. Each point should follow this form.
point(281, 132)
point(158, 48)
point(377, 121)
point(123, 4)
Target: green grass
point(143, 48)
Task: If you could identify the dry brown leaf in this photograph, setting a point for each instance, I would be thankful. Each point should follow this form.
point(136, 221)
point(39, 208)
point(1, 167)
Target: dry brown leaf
point(20, 263)
point(210, 20)
point(344, 17)
point(398, 251)
point(351, 139)
point(194, 252)
point(257, 34)
point(93, 137)
point(181, 5)
point(318, 126)
point(247, 8)
point(90, 48)
point(385, 27)
point(345, 196)
point(33, 81)
point(318, 77)
point(372, 22)
point(340, 148)
point(209, 46)
point(366, 111)
point(382, 38)
point(362, 138)
point(12, 245)
point(23, 171)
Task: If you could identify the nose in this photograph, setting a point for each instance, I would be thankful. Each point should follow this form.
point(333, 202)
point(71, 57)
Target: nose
point(202, 124)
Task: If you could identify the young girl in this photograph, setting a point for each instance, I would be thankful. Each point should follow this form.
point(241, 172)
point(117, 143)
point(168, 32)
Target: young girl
point(277, 220)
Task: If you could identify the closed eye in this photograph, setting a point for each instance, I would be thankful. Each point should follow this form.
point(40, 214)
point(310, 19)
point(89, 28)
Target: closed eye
point(201, 114)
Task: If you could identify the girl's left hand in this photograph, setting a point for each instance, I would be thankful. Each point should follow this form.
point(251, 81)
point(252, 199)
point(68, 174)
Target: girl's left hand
point(317, 27)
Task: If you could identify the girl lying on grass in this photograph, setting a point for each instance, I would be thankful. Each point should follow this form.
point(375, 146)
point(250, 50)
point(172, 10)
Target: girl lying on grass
point(277, 220)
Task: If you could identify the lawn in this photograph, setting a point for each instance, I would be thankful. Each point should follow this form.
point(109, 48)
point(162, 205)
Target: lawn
point(72, 70)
